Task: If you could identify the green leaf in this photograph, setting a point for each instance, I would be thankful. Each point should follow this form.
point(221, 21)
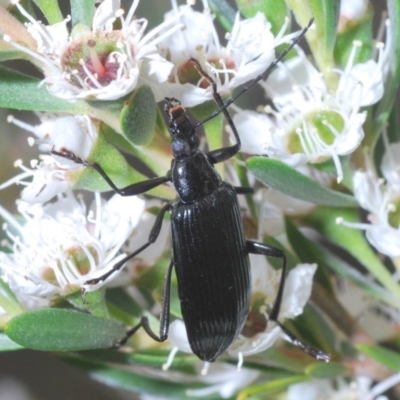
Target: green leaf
point(94, 302)
point(224, 12)
point(8, 300)
point(82, 12)
point(53, 329)
point(324, 220)
point(7, 290)
point(384, 107)
point(158, 163)
point(360, 30)
point(22, 92)
point(322, 38)
point(9, 53)
point(326, 370)
point(308, 252)
point(50, 9)
point(122, 306)
point(116, 167)
point(279, 176)
point(314, 329)
point(271, 386)
point(138, 116)
point(389, 358)
point(133, 381)
point(275, 11)
point(6, 344)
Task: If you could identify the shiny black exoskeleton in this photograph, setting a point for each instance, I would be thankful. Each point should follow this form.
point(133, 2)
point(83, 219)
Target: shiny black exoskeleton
point(210, 253)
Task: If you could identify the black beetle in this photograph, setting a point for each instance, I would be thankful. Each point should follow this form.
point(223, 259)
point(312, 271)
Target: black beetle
point(210, 251)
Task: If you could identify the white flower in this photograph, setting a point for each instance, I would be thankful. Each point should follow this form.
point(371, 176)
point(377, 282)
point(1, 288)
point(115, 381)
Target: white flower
point(100, 63)
point(50, 176)
point(249, 50)
point(60, 246)
point(310, 122)
point(382, 201)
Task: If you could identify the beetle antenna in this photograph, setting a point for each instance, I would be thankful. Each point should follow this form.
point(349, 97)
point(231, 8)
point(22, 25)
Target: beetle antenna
point(259, 77)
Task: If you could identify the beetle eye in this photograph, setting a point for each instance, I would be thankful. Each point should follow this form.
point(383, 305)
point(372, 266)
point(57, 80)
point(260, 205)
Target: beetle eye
point(180, 147)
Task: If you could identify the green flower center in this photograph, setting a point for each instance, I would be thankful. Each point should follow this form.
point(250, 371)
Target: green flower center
point(321, 126)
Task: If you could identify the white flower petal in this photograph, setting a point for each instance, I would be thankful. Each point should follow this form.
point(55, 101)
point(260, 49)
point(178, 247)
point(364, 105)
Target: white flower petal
point(385, 239)
point(254, 130)
point(178, 336)
point(297, 291)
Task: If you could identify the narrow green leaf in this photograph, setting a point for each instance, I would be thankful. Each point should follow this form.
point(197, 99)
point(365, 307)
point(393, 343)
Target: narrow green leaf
point(279, 176)
point(6, 344)
point(271, 386)
point(22, 92)
point(326, 370)
point(7, 53)
point(382, 111)
point(360, 30)
point(134, 379)
point(389, 358)
point(326, 14)
point(53, 329)
point(308, 252)
point(116, 167)
point(10, 294)
point(275, 11)
point(159, 163)
point(122, 306)
point(51, 10)
point(224, 12)
point(314, 329)
point(82, 12)
point(324, 220)
point(138, 116)
point(8, 300)
point(94, 302)
point(322, 38)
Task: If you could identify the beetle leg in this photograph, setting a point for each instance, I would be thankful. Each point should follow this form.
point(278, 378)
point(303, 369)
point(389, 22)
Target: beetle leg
point(263, 249)
point(223, 154)
point(164, 316)
point(243, 190)
point(155, 231)
point(131, 190)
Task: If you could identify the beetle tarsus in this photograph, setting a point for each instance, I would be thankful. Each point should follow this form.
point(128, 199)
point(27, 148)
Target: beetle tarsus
point(312, 351)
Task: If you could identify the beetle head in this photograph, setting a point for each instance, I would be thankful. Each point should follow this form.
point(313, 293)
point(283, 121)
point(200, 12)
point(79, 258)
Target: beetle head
point(184, 141)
